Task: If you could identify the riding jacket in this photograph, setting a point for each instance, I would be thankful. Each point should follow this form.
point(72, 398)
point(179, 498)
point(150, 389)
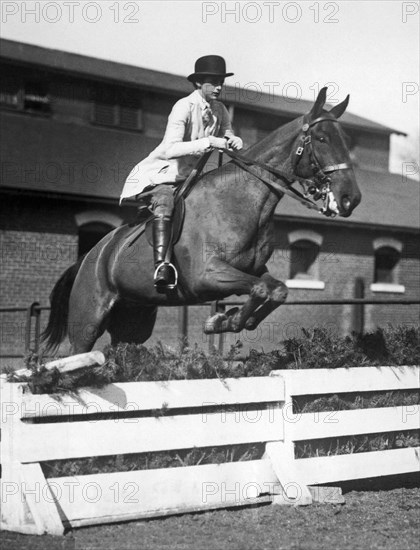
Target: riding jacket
point(186, 139)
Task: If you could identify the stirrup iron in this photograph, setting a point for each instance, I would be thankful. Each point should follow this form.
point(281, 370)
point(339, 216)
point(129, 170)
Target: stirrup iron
point(169, 286)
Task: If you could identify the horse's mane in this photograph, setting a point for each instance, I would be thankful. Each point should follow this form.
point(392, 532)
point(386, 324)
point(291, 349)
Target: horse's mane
point(274, 148)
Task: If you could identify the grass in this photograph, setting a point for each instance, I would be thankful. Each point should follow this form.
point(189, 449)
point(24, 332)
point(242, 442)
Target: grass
point(357, 444)
point(152, 461)
point(349, 401)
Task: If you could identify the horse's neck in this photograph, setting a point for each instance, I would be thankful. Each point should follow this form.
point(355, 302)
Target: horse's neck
point(277, 150)
point(252, 195)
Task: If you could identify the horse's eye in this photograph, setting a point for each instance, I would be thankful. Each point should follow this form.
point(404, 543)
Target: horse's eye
point(322, 139)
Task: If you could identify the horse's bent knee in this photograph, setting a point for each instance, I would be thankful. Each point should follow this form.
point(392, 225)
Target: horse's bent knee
point(279, 294)
point(259, 290)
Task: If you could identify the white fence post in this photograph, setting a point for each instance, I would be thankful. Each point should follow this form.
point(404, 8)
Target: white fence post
point(282, 453)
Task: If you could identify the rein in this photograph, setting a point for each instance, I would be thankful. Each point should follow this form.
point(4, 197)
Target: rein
point(278, 187)
point(318, 187)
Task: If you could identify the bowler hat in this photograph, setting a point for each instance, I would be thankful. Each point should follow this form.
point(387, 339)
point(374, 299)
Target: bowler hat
point(209, 65)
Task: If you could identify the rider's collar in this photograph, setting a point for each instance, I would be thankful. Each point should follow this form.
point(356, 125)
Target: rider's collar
point(201, 101)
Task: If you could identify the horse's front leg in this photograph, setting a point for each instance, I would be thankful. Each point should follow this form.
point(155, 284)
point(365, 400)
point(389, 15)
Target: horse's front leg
point(223, 279)
point(278, 295)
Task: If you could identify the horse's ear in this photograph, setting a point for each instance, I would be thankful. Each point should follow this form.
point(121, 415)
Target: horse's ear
point(339, 109)
point(319, 103)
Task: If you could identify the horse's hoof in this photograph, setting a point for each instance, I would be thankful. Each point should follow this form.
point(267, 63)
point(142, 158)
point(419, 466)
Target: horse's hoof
point(251, 324)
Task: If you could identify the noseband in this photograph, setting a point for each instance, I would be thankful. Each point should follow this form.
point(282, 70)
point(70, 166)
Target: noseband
point(320, 188)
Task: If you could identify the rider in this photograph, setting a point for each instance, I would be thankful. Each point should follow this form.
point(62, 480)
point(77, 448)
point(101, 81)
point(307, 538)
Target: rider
point(196, 124)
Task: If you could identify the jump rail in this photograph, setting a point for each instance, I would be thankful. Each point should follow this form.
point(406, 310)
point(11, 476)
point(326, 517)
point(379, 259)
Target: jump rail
point(186, 414)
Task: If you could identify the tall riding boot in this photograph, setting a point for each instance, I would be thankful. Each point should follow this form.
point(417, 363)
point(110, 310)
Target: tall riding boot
point(161, 238)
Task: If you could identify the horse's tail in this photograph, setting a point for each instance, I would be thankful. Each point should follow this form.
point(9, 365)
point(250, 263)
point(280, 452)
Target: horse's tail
point(56, 329)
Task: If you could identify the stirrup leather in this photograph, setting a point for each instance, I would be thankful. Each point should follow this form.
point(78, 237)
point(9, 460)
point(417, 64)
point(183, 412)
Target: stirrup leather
point(169, 286)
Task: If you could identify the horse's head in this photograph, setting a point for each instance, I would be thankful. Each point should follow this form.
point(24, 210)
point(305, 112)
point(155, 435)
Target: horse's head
point(321, 155)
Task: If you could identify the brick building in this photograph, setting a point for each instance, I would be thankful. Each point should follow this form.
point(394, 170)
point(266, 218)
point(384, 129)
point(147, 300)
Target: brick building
point(73, 127)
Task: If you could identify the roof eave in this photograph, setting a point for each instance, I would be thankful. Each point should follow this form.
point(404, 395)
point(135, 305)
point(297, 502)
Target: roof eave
point(76, 64)
point(348, 223)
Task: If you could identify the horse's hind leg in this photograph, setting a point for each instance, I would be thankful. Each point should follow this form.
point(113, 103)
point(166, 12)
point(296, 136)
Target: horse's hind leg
point(227, 280)
point(87, 318)
point(131, 323)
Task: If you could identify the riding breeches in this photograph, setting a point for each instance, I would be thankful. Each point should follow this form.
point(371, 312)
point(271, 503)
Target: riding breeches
point(159, 200)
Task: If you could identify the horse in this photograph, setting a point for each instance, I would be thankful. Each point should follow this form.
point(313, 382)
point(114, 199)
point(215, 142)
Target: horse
point(224, 246)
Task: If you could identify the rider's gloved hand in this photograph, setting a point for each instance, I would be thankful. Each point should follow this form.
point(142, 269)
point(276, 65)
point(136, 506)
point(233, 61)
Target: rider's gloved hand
point(235, 143)
point(218, 143)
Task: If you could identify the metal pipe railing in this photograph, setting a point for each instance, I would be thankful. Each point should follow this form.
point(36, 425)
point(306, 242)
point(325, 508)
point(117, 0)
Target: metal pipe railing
point(33, 316)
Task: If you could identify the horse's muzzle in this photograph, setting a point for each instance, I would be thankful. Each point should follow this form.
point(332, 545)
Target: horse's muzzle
point(348, 204)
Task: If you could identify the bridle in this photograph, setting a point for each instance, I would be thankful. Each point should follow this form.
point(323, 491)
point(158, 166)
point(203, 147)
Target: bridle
point(318, 187)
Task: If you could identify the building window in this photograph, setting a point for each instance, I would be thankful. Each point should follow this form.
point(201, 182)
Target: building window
point(303, 255)
point(304, 260)
point(90, 234)
point(93, 226)
point(104, 107)
point(387, 260)
point(117, 108)
point(9, 92)
point(25, 95)
point(36, 98)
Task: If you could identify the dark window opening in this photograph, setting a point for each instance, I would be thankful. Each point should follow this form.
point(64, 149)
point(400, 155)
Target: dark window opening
point(104, 107)
point(129, 110)
point(9, 92)
point(36, 98)
point(104, 114)
point(303, 256)
point(118, 108)
point(90, 234)
point(386, 261)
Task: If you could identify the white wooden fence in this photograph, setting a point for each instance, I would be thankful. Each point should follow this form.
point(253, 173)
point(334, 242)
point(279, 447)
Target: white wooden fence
point(36, 428)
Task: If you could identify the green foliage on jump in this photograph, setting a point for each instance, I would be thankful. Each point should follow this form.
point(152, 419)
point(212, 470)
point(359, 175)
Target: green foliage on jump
point(316, 348)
